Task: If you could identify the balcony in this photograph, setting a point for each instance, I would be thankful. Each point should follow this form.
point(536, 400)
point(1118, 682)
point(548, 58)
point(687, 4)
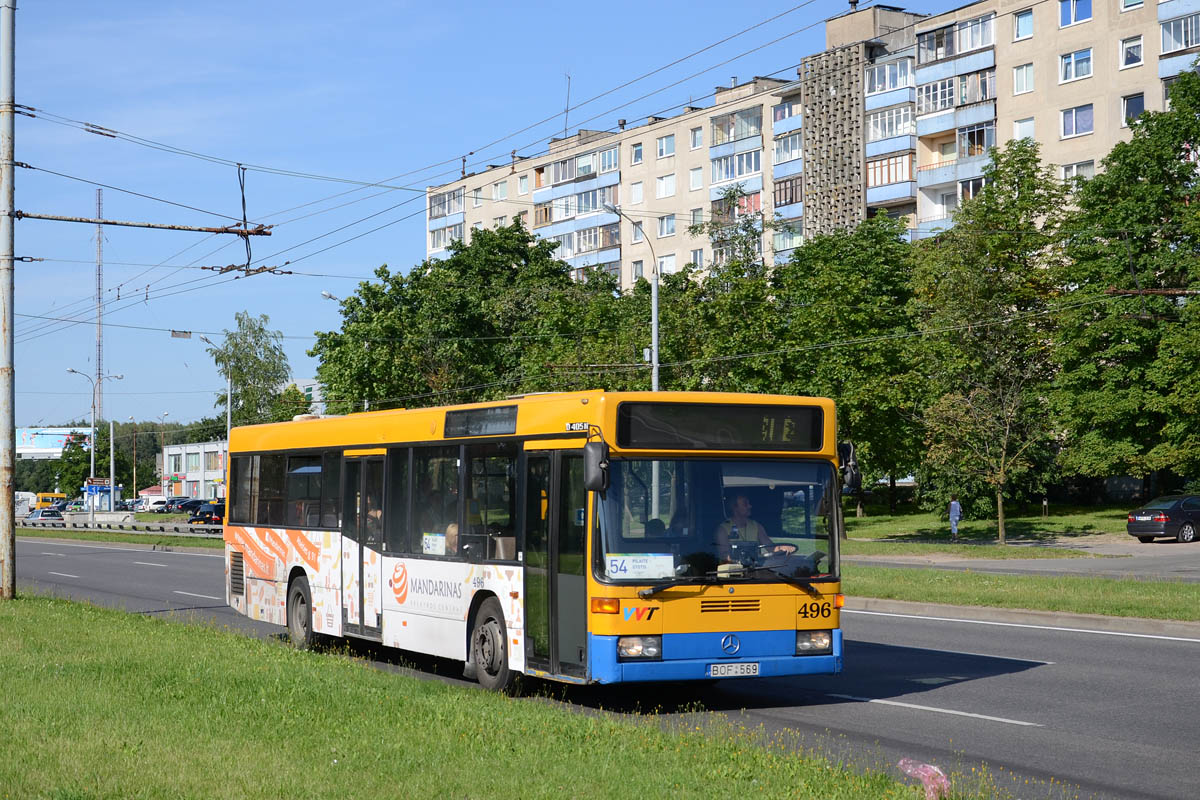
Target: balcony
point(792, 123)
point(893, 145)
point(892, 193)
point(1170, 9)
point(905, 94)
point(931, 226)
point(958, 169)
point(971, 62)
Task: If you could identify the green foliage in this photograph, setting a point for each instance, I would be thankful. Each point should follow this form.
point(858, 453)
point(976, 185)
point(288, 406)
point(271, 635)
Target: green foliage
point(252, 357)
point(287, 404)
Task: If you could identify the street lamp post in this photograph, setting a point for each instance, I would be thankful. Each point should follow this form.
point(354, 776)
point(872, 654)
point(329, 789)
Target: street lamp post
point(136, 498)
point(162, 444)
point(92, 441)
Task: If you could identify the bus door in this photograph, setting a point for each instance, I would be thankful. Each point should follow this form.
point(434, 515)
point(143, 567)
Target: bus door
point(362, 543)
point(555, 516)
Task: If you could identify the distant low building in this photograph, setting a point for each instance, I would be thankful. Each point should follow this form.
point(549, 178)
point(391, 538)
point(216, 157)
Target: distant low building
point(195, 470)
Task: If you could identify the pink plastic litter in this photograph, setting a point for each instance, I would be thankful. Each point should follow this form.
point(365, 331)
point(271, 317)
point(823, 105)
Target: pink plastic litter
point(936, 784)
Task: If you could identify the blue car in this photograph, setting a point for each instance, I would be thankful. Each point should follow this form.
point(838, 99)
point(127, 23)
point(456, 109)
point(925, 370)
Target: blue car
point(1176, 516)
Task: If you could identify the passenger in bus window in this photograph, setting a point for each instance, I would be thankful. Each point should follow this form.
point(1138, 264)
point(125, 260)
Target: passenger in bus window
point(452, 539)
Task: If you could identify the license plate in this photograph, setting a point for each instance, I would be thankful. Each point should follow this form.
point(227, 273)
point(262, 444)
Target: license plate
point(1143, 517)
point(739, 670)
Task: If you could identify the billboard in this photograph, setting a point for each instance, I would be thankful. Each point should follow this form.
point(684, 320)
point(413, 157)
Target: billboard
point(47, 442)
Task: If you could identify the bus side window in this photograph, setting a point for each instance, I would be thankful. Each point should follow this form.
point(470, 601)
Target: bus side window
point(331, 489)
point(435, 500)
point(397, 539)
point(491, 501)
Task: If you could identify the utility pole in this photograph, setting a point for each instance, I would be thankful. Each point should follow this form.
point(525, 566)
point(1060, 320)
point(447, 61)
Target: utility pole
point(99, 385)
point(136, 497)
point(112, 467)
point(8, 423)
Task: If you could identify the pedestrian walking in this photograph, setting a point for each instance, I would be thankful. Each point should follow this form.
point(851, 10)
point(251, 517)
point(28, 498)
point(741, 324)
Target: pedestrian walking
point(955, 513)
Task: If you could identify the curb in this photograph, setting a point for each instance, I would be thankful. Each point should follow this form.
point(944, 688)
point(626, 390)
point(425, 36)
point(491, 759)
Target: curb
point(1013, 616)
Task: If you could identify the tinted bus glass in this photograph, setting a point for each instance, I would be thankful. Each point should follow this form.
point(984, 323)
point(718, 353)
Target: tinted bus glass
point(482, 422)
point(694, 426)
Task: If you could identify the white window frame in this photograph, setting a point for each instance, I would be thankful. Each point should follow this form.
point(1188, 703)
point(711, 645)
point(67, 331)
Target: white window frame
point(666, 226)
point(637, 270)
point(889, 123)
point(523, 184)
point(975, 34)
point(697, 216)
point(666, 264)
point(636, 194)
point(1073, 169)
point(788, 147)
point(695, 178)
point(936, 96)
point(1017, 131)
point(477, 197)
point(664, 186)
point(635, 153)
point(880, 78)
point(1062, 118)
point(666, 145)
point(1074, 4)
point(1016, 19)
point(1123, 43)
point(1189, 33)
point(638, 234)
point(698, 261)
point(1016, 70)
point(610, 160)
point(1126, 5)
point(1124, 107)
point(500, 190)
point(696, 138)
point(1073, 59)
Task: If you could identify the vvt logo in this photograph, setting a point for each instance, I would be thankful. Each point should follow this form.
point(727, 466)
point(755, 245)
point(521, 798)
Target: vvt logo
point(640, 613)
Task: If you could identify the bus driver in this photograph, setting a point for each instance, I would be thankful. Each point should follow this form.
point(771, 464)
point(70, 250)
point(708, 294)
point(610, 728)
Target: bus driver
point(741, 530)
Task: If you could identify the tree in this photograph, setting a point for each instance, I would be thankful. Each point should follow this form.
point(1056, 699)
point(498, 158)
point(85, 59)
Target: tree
point(983, 293)
point(844, 331)
point(288, 403)
point(252, 358)
point(1126, 389)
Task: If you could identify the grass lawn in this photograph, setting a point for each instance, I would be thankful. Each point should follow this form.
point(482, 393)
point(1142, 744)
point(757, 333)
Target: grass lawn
point(101, 704)
point(158, 539)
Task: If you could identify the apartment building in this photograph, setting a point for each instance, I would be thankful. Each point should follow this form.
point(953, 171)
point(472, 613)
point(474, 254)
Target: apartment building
point(895, 116)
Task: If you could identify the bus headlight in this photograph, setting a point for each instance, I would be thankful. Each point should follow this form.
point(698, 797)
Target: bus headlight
point(639, 647)
point(810, 643)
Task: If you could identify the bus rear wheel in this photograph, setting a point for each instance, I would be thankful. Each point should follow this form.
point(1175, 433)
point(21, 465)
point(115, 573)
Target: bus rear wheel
point(489, 647)
point(299, 614)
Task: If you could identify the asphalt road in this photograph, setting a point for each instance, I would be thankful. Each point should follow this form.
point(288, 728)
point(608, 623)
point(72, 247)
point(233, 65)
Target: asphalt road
point(1053, 705)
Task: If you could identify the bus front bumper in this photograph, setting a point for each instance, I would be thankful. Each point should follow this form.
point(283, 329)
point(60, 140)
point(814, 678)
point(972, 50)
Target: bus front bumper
point(690, 656)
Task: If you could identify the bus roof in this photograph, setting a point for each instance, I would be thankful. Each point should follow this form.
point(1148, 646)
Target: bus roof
point(559, 415)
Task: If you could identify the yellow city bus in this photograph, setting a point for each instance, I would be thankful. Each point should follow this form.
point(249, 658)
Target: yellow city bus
point(47, 499)
point(586, 537)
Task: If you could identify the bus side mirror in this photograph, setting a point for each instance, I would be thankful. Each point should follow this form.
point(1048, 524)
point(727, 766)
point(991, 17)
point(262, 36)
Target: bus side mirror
point(851, 477)
point(595, 466)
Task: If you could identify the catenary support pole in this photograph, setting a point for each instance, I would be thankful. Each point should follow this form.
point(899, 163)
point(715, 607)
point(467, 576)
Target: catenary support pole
point(8, 425)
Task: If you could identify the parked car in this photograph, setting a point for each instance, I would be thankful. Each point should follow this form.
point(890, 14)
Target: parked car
point(1176, 516)
point(190, 506)
point(44, 515)
point(60, 505)
point(76, 505)
point(208, 514)
point(172, 504)
point(156, 506)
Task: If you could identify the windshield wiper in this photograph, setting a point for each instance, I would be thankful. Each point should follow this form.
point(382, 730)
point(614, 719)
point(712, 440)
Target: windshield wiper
point(804, 583)
point(653, 590)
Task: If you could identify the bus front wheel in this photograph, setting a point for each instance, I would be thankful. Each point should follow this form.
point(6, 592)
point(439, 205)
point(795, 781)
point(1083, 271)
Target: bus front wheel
point(489, 647)
point(299, 614)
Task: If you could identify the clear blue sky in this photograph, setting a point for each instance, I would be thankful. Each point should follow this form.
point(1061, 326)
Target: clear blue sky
point(363, 91)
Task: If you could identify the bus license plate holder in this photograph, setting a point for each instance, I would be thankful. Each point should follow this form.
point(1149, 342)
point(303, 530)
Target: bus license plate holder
point(740, 669)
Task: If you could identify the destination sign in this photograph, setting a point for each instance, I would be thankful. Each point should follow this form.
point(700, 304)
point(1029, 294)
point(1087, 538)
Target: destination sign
point(702, 426)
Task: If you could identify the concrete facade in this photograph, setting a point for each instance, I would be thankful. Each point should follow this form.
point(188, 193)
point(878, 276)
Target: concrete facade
point(895, 116)
point(195, 470)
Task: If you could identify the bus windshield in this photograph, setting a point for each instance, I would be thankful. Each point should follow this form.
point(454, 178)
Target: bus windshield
point(718, 520)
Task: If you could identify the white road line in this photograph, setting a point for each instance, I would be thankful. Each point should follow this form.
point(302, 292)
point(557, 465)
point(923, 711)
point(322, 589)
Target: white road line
point(150, 564)
point(936, 710)
point(205, 596)
point(1026, 625)
point(64, 575)
point(60, 555)
point(140, 550)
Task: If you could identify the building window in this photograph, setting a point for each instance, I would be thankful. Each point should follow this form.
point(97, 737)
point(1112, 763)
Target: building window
point(638, 234)
point(609, 159)
point(635, 193)
point(1023, 24)
point(1073, 11)
point(441, 238)
point(695, 178)
point(787, 238)
point(977, 87)
point(976, 140)
point(886, 77)
point(973, 34)
point(587, 240)
point(666, 226)
point(737, 125)
point(1084, 169)
point(697, 138)
point(541, 215)
point(1132, 106)
point(890, 122)
point(1180, 34)
point(970, 188)
point(697, 257)
point(1023, 128)
point(664, 186)
point(446, 203)
point(212, 461)
point(1127, 5)
point(635, 153)
point(785, 110)
point(1023, 79)
point(666, 264)
point(564, 208)
point(935, 45)
point(566, 245)
point(787, 148)
point(477, 197)
point(697, 216)
point(666, 145)
point(1077, 121)
point(638, 270)
point(789, 191)
point(1131, 52)
point(889, 170)
point(193, 462)
point(1075, 66)
point(936, 96)
point(523, 184)
point(736, 166)
point(500, 190)
point(500, 222)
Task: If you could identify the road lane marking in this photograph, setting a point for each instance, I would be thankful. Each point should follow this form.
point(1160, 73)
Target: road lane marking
point(205, 596)
point(137, 549)
point(1026, 625)
point(150, 564)
point(937, 710)
point(60, 555)
point(64, 575)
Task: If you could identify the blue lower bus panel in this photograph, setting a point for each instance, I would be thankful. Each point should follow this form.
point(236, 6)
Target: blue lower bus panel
point(689, 656)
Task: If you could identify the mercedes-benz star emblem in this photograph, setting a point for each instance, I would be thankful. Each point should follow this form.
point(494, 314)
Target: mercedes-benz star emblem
point(730, 644)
